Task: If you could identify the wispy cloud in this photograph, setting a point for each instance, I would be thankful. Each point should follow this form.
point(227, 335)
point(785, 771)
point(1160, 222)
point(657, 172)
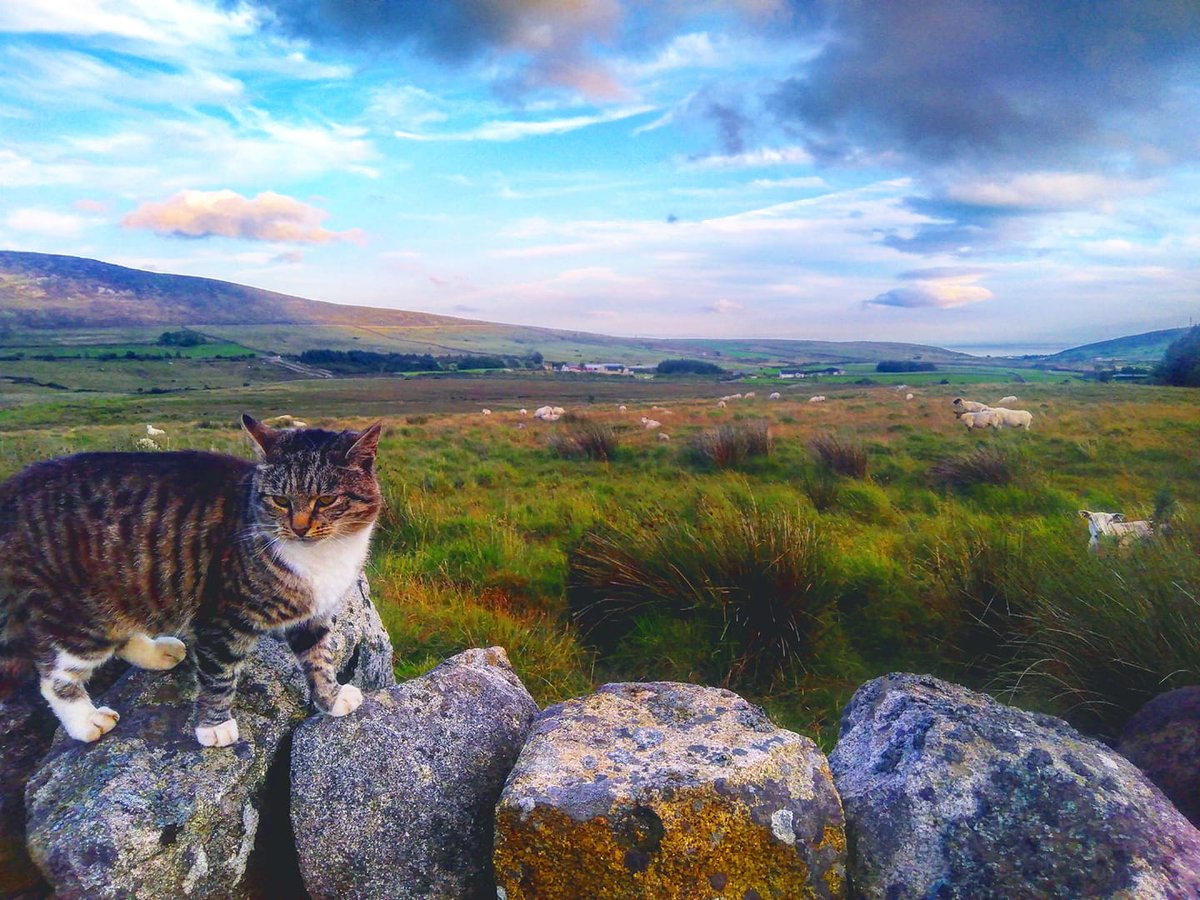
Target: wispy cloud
point(45, 222)
point(267, 217)
point(761, 157)
point(938, 288)
point(515, 130)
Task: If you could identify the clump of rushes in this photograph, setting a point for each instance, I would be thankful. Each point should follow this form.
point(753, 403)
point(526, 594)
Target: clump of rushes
point(842, 457)
point(986, 464)
point(755, 583)
point(583, 438)
point(731, 444)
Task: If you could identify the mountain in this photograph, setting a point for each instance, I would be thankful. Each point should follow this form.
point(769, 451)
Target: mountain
point(1147, 347)
point(67, 293)
point(41, 290)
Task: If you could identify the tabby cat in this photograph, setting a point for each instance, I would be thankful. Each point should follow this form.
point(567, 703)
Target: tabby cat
point(113, 553)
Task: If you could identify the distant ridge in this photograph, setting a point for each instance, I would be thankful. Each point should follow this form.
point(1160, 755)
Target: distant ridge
point(1146, 347)
point(42, 290)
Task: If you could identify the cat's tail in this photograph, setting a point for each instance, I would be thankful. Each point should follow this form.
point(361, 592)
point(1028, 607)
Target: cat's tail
point(16, 664)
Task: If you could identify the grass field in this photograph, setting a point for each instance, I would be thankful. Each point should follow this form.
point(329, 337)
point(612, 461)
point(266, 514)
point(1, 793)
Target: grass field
point(711, 558)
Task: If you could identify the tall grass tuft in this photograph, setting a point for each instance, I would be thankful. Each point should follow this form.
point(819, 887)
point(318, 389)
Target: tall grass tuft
point(986, 464)
point(752, 586)
point(583, 438)
point(840, 456)
point(731, 444)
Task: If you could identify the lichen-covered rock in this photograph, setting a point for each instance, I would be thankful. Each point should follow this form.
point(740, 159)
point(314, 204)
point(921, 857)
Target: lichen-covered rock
point(146, 811)
point(398, 802)
point(950, 794)
point(1163, 740)
point(362, 645)
point(665, 790)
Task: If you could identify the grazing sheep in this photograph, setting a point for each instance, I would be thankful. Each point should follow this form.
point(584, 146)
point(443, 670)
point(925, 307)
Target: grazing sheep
point(663, 436)
point(909, 396)
point(548, 413)
point(622, 408)
point(820, 398)
point(154, 432)
point(721, 404)
point(965, 406)
point(748, 395)
point(1113, 525)
point(486, 412)
point(650, 423)
point(981, 419)
point(774, 395)
point(1003, 400)
point(1011, 418)
point(522, 411)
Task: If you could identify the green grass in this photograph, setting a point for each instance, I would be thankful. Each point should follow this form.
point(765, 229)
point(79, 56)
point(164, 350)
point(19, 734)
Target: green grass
point(972, 575)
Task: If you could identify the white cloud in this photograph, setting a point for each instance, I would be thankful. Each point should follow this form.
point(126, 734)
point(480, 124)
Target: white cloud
point(267, 217)
point(514, 130)
point(1046, 190)
point(937, 291)
point(723, 307)
point(45, 222)
point(762, 157)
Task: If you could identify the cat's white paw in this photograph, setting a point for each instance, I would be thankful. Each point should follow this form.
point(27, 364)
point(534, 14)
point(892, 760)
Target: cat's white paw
point(153, 653)
point(349, 699)
point(170, 652)
point(91, 723)
point(218, 735)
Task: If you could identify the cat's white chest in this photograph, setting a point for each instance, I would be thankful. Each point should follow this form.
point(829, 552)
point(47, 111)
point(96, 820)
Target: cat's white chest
point(328, 568)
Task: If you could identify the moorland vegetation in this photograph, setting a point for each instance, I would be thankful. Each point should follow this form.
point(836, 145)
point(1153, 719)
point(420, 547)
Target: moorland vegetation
point(784, 549)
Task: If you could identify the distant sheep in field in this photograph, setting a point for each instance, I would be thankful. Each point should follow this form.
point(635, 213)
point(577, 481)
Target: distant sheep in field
point(486, 412)
point(154, 432)
point(909, 396)
point(820, 398)
point(1113, 525)
point(774, 395)
point(1003, 400)
point(965, 406)
point(1011, 418)
point(980, 419)
point(622, 408)
point(900, 387)
point(650, 423)
point(721, 404)
point(548, 413)
point(748, 395)
point(522, 411)
point(284, 421)
point(663, 436)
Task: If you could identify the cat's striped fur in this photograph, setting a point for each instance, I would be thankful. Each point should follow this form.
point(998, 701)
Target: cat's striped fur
point(111, 553)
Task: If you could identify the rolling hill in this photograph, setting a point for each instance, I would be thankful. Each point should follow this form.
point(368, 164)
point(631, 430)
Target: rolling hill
point(1147, 347)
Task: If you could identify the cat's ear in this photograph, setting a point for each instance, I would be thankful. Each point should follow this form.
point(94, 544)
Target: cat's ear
point(362, 451)
point(264, 436)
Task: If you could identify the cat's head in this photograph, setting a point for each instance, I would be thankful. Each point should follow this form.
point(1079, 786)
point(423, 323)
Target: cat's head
point(312, 484)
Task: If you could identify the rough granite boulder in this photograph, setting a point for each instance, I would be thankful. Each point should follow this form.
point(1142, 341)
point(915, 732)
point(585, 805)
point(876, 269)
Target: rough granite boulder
point(665, 790)
point(398, 802)
point(950, 794)
point(146, 811)
point(1163, 740)
point(27, 728)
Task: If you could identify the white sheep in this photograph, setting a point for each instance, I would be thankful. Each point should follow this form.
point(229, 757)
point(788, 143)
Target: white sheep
point(622, 408)
point(981, 419)
point(522, 411)
point(1011, 418)
point(548, 413)
point(748, 395)
point(909, 396)
point(486, 412)
point(721, 404)
point(154, 432)
point(965, 406)
point(1113, 525)
point(663, 436)
point(650, 423)
point(774, 395)
point(820, 398)
point(1003, 400)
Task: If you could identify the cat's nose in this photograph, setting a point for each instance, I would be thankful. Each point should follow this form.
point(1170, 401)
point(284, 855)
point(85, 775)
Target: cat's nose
point(301, 525)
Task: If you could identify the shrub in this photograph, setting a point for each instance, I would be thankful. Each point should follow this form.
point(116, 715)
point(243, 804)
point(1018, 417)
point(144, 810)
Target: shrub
point(986, 464)
point(843, 457)
point(756, 583)
point(731, 444)
point(1180, 364)
point(584, 438)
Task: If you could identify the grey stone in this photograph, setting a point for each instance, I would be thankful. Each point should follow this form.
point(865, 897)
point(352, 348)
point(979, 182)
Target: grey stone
point(951, 794)
point(668, 790)
point(1163, 740)
point(146, 811)
point(26, 730)
point(397, 801)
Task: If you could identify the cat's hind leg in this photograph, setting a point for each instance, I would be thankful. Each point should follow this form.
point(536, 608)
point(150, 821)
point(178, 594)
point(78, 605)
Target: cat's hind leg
point(146, 652)
point(63, 675)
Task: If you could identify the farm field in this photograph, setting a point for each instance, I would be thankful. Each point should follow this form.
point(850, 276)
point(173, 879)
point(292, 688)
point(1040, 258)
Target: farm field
point(734, 553)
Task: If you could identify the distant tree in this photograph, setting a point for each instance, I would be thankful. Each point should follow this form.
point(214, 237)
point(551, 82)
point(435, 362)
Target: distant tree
point(1180, 364)
point(688, 367)
point(184, 338)
point(904, 365)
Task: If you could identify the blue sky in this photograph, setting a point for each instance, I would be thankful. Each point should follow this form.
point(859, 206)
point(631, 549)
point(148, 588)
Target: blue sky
point(959, 172)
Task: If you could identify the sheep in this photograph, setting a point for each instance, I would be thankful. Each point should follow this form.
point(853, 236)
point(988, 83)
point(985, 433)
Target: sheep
point(548, 413)
point(663, 436)
point(965, 406)
point(909, 396)
point(721, 404)
point(820, 398)
point(650, 423)
point(486, 412)
point(1113, 525)
point(774, 395)
point(981, 419)
point(1003, 400)
point(154, 432)
point(900, 387)
point(283, 421)
point(1011, 418)
point(748, 395)
point(522, 411)
point(622, 408)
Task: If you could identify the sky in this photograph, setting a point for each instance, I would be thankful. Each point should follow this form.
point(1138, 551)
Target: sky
point(1007, 174)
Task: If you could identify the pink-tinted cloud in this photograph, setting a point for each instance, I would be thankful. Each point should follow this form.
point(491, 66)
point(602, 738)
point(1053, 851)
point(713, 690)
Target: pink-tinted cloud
point(266, 217)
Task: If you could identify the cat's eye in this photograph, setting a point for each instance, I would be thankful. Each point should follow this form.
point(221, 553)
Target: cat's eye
point(279, 500)
point(327, 500)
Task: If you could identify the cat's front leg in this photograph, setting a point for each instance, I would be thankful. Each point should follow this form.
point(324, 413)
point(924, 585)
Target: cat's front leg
point(220, 650)
point(312, 643)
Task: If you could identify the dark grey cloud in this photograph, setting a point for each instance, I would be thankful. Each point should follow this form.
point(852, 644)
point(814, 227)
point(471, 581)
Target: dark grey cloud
point(1014, 81)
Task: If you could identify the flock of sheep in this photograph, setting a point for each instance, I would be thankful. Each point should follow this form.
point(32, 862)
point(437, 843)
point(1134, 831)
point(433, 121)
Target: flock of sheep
point(974, 414)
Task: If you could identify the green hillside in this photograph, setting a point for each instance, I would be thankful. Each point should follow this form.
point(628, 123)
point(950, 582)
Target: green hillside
point(1134, 348)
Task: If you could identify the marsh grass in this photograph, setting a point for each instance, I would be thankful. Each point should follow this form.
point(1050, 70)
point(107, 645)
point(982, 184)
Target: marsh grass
point(985, 464)
point(584, 438)
point(840, 455)
point(731, 444)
